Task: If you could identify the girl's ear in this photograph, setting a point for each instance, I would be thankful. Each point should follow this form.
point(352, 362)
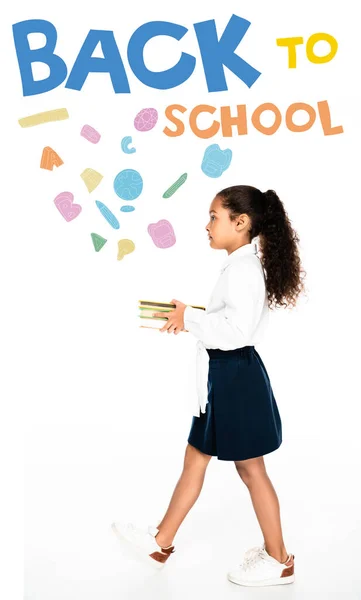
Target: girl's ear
point(242, 220)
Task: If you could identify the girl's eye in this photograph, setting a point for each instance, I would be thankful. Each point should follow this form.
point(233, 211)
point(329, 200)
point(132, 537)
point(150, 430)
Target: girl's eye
point(212, 217)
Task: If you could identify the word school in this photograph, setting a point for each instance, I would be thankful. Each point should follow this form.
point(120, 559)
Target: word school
point(234, 120)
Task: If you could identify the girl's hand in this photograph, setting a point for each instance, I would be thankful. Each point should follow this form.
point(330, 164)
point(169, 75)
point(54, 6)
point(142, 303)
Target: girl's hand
point(175, 322)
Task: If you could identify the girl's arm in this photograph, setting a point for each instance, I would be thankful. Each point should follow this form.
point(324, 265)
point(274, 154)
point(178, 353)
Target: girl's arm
point(232, 326)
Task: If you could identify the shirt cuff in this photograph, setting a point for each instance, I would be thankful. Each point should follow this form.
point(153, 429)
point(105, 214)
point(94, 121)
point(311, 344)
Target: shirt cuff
point(192, 315)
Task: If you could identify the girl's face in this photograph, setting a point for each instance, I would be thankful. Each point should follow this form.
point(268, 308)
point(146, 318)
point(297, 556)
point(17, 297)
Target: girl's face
point(222, 232)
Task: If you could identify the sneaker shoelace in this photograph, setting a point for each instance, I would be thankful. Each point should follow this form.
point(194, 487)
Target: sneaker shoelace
point(131, 527)
point(253, 556)
point(140, 532)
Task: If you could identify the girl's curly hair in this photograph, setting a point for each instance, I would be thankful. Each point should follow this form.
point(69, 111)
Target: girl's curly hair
point(278, 240)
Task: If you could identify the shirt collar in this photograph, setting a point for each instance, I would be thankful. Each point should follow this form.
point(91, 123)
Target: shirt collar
point(241, 251)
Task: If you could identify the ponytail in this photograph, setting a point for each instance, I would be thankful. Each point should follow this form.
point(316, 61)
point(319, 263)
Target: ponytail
point(280, 256)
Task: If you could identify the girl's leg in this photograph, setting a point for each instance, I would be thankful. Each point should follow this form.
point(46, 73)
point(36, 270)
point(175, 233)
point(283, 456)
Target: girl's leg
point(185, 494)
point(265, 503)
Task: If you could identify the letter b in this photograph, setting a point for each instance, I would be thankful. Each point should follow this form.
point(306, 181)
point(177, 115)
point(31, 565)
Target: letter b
point(26, 56)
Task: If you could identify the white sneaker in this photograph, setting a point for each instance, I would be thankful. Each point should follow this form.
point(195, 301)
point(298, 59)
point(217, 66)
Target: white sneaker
point(259, 568)
point(143, 542)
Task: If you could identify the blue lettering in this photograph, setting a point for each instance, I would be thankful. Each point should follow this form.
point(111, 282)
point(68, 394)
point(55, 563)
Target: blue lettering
point(162, 80)
point(26, 56)
point(111, 63)
point(216, 53)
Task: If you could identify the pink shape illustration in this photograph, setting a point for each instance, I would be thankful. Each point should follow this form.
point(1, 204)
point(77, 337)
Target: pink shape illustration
point(162, 234)
point(146, 119)
point(90, 134)
point(64, 204)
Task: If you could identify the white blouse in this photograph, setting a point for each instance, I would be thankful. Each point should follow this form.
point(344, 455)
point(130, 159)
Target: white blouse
point(236, 316)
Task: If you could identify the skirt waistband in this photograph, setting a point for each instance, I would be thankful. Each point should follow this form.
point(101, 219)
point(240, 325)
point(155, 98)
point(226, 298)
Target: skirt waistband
point(217, 353)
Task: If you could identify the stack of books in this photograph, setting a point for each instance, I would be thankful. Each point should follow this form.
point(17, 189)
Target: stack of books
point(148, 307)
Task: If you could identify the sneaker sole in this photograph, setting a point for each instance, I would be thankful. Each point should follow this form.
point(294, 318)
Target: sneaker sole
point(279, 581)
point(138, 552)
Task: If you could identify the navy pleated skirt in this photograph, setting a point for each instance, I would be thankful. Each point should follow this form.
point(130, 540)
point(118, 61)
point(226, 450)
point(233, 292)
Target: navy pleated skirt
point(241, 419)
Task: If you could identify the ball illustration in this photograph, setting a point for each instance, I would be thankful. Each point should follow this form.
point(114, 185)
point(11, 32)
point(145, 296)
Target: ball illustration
point(128, 184)
point(146, 119)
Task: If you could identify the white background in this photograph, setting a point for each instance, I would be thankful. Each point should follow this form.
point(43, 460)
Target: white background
point(99, 410)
